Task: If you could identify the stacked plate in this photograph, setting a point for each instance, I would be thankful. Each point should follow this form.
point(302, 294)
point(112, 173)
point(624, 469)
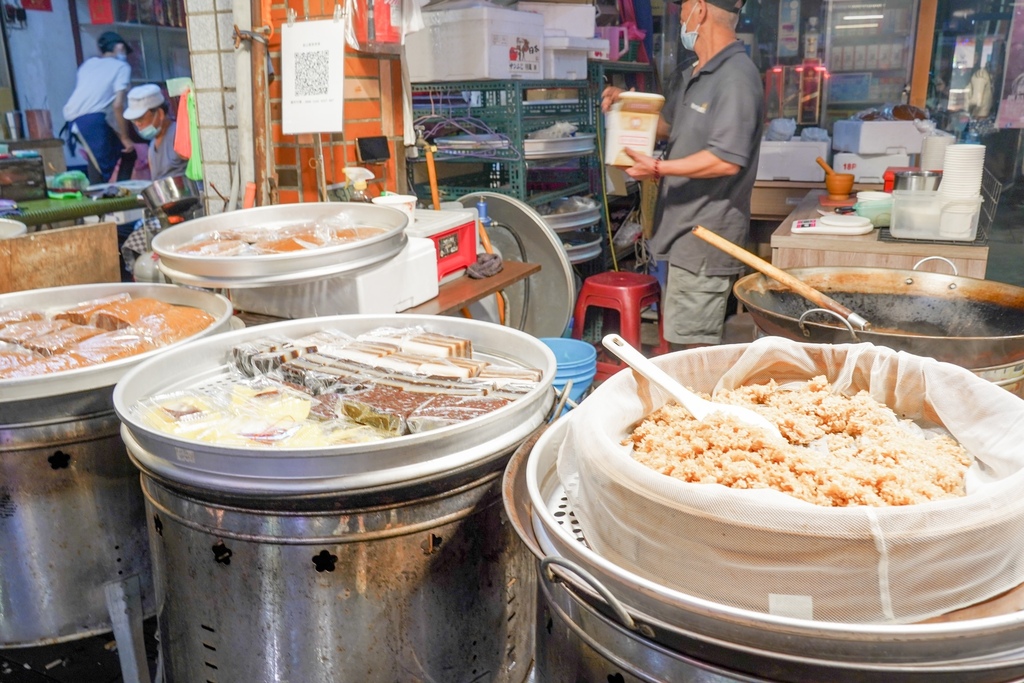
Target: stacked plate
point(962, 167)
point(960, 190)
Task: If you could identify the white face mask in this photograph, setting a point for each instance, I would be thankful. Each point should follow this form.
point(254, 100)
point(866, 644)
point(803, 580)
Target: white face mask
point(689, 38)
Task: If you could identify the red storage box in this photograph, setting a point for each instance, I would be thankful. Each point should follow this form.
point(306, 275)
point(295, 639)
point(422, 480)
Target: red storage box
point(454, 236)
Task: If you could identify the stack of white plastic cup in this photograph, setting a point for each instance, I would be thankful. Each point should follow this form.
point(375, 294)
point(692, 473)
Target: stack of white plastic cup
point(933, 151)
point(960, 189)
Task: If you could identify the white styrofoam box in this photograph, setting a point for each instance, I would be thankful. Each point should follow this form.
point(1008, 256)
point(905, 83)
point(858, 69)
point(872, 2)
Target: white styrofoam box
point(565, 57)
point(407, 280)
point(454, 235)
point(792, 160)
point(876, 137)
point(476, 43)
point(564, 19)
point(868, 168)
point(631, 123)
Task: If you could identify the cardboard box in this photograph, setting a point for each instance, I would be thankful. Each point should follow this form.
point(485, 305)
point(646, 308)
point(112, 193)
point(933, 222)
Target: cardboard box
point(793, 160)
point(563, 18)
point(868, 168)
point(876, 137)
point(473, 43)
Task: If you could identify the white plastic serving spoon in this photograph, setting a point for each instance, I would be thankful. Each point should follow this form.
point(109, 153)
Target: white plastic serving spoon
point(698, 407)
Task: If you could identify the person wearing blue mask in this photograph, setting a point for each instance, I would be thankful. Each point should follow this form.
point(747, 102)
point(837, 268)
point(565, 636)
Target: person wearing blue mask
point(712, 120)
point(95, 110)
point(148, 112)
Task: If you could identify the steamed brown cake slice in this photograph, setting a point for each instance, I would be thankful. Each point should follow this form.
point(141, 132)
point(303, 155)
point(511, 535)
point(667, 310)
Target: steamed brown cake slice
point(19, 333)
point(61, 340)
point(46, 366)
point(122, 314)
point(83, 312)
point(17, 315)
point(171, 325)
point(111, 346)
point(11, 360)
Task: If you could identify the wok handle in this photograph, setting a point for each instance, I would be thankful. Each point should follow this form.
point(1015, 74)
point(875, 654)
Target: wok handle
point(798, 286)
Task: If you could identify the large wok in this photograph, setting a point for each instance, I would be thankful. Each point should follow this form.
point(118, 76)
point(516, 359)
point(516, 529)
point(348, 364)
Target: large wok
point(972, 323)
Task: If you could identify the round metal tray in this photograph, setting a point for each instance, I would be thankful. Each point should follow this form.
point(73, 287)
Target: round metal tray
point(352, 255)
point(581, 246)
point(380, 252)
point(581, 143)
point(13, 392)
point(991, 643)
point(348, 467)
point(561, 222)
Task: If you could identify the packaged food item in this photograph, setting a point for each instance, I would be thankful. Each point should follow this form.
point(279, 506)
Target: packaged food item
point(18, 333)
point(111, 346)
point(17, 315)
point(443, 410)
point(46, 365)
point(83, 312)
point(61, 340)
point(122, 314)
point(10, 360)
point(172, 324)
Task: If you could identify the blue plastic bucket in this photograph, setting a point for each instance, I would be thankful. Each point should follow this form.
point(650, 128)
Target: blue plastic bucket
point(575, 360)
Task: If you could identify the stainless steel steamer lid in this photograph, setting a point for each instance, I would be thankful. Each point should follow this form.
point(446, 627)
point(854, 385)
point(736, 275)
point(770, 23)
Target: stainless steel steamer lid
point(991, 643)
point(375, 249)
point(349, 467)
point(16, 391)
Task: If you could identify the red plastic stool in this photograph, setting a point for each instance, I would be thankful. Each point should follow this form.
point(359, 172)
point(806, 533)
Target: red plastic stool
point(626, 293)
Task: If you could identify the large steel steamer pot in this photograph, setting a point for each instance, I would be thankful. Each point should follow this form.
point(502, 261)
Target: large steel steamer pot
point(71, 510)
point(596, 622)
point(976, 324)
point(385, 562)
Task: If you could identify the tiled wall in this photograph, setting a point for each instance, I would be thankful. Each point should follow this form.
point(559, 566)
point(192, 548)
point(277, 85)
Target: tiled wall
point(372, 106)
point(211, 47)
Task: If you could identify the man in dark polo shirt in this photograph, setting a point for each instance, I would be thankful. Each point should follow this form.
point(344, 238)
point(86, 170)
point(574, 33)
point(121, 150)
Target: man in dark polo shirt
point(713, 121)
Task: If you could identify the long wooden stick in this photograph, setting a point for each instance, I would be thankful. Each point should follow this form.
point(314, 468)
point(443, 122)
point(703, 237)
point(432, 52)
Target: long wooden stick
point(798, 286)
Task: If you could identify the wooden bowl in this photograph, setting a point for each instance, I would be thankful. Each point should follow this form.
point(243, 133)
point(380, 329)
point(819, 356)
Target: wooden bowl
point(839, 185)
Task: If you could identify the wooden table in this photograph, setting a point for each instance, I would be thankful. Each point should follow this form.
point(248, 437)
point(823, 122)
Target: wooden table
point(801, 251)
point(451, 296)
point(464, 290)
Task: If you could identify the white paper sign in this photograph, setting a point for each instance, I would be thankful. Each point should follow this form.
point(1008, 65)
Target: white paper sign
point(313, 77)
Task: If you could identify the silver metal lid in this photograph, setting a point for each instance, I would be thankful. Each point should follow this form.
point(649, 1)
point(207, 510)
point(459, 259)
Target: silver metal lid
point(346, 467)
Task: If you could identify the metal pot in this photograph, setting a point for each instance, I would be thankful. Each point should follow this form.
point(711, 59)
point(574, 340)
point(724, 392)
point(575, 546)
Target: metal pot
point(917, 181)
point(379, 562)
point(173, 196)
point(598, 622)
point(71, 511)
point(969, 322)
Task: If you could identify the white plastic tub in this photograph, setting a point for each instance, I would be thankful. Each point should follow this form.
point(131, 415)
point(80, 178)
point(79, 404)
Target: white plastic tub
point(928, 215)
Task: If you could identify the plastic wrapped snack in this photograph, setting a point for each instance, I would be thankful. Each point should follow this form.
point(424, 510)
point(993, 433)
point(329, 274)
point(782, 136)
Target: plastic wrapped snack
point(266, 399)
point(19, 333)
point(242, 354)
point(444, 410)
point(122, 314)
point(215, 247)
point(111, 346)
point(83, 312)
point(10, 360)
point(16, 315)
point(383, 408)
point(171, 325)
point(46, 365)
point(61, 340)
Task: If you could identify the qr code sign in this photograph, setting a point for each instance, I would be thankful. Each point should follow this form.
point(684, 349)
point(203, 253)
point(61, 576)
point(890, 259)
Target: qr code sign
point(311, 71)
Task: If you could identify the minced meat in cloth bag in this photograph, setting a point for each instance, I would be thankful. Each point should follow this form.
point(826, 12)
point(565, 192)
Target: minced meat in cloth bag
point(766, 551)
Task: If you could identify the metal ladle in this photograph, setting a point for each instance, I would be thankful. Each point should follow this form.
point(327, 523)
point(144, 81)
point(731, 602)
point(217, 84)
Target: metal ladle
point(698, 407)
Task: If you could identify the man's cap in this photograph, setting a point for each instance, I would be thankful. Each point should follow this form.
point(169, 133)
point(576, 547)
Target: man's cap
point(728, 5)
point(141, 99)
point(109, 39)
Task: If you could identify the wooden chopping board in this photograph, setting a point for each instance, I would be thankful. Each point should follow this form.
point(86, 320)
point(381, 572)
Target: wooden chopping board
point(78, 255)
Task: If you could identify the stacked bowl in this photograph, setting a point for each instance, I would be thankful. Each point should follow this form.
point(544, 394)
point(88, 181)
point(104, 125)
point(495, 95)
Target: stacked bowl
point(960, 190)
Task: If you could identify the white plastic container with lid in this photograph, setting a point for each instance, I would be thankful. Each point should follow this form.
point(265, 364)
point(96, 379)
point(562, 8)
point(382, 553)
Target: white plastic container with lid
point(928, 215)
point(483, 41)
point(563, 18)
point(565, 57)
point(631, 123)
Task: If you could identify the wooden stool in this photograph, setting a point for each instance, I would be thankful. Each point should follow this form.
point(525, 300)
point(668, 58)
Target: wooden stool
point(626, 294)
